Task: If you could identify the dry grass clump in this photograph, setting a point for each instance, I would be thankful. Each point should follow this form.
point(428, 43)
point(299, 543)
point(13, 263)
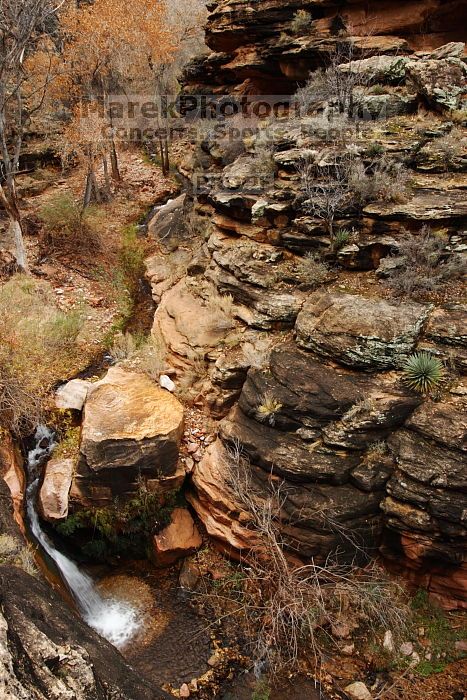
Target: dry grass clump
point(190, 384)
point(15, 553)
point(222, 309)
point(146, 355)
point(38, 349)
point(290, 612)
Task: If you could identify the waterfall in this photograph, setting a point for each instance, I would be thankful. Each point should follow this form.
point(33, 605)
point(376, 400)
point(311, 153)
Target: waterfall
point(114, 620)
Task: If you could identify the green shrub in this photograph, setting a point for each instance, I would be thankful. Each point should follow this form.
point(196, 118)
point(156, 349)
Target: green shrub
point(423, 372)
point(120, 529)
point(375, 149)
point(341, 238)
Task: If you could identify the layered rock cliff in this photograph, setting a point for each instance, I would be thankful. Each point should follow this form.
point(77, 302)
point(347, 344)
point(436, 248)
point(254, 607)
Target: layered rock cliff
point(308, 378)
point(256, 49)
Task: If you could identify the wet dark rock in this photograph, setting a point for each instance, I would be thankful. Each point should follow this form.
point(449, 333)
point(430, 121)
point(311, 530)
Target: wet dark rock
point(48, 651)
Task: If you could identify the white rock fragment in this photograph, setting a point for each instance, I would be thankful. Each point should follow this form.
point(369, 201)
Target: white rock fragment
point(406, 649)
point(166, 383)
point(72, 395)
point(388, 642)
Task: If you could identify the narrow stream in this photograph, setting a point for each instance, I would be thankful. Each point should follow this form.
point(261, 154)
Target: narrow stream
point(114, 620)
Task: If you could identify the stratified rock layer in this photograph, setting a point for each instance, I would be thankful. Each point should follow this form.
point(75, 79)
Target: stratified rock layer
point(427, 498)
point(256, 50)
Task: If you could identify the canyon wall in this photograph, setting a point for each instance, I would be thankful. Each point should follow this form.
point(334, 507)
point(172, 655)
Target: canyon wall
point(357, 451)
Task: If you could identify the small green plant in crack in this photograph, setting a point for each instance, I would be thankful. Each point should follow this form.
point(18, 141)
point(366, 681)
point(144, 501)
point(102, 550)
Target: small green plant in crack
point(423, 372)
point(375, 149)
point(268, 409)
point(439, 631)
point(341, 238)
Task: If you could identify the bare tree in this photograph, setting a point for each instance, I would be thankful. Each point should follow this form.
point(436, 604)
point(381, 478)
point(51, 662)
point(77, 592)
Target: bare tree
point(26, 30)
point(336, 83)
point(327, 189)
point(185, 21)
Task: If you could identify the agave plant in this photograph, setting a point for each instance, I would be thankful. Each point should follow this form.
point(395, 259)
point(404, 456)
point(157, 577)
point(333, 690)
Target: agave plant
point(423, 372)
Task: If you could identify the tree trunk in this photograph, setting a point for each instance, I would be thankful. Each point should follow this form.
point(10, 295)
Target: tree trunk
point(108, 188)
point(116, 177)
point(16, 230)
point(10, 203)
point(91, 192)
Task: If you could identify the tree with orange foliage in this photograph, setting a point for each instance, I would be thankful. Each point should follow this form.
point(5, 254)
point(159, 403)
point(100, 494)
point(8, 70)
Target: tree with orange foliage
point(28, 60)
point(86, 137)
point(108, 44)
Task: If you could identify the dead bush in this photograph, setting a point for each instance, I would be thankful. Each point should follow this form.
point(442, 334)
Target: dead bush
point(424, 265)
point(290, 612)
point(334, 85)
point(383, 180)
point(452, 148)
point(301, 23)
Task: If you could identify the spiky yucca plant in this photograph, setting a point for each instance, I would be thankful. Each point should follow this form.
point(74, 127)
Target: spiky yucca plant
point(423, 372)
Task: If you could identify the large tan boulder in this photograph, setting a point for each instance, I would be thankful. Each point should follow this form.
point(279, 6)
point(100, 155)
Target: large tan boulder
point(188, 325)
point(179, 539)
point(131, 429)
point(53, 494)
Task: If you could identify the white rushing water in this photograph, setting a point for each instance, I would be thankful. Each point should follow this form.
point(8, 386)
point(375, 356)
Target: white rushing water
point(116, 621)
